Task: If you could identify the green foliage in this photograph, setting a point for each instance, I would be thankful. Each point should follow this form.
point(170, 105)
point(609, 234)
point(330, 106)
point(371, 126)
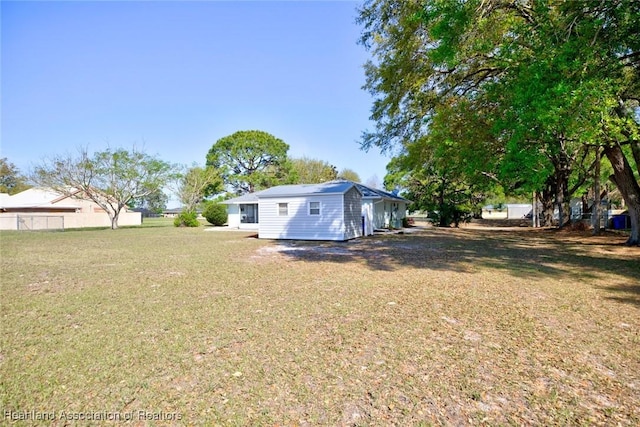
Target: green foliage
point(312, 171)
point(450, 215)
point(349, 175)
point(155, 202)
point(11, 180)
point(187, 219)
point(250, 160)
point(520, 92)
point(432, 187)
point(215, 213)
point(196, 183)
point(112, 178)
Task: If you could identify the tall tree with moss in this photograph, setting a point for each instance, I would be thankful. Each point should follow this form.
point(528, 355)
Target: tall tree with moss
point(250, 160)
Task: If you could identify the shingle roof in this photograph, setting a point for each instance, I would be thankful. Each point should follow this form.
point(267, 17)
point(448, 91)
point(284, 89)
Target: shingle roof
point(330, 187)
point(245, 198)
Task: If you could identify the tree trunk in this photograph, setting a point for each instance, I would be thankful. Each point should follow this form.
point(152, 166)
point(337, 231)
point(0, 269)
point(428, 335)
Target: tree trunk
point(535, 215)
point(629, 188)
point(444, 216)
point(546, 198)
point(563, 198)
point(635, 150)
point(595, 209)
point(114, 220)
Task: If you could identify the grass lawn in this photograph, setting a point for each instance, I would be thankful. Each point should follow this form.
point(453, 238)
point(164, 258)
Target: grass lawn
point(439, 327)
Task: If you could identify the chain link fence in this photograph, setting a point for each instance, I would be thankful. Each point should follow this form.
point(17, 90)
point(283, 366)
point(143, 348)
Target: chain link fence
point(39, 222)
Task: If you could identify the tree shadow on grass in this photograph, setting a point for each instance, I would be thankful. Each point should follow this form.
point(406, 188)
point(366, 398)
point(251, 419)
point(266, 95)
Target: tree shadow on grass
point(527, 253)
point(628, 294)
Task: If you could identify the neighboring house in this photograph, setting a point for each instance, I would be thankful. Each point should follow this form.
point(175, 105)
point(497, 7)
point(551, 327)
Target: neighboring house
point(171, 213)
point(334, 210)
point(174, 212)
point(507, 211)
point(40, 208)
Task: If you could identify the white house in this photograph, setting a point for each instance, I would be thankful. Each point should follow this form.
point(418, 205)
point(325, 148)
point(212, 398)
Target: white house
point(243, 211)
point(327, 211)
point(381, 209)
point(41, 209)
point(334, 210)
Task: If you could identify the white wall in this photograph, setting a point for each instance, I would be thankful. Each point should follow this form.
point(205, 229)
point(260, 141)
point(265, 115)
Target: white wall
point(367, 213)
point(352, 214)
point(299, 224)
point(518, 211)
point(9, 221)
point(233, 212)
point(384, 210)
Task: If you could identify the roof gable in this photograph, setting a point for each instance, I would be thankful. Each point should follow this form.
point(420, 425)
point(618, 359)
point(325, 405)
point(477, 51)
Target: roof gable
point(374, 193)
point(38, 198)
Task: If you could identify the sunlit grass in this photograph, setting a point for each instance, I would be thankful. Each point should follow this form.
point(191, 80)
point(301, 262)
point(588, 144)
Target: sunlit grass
point(440, 327)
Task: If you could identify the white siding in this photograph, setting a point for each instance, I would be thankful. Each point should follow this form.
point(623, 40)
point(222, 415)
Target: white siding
point(352, 214)
point(233, 212)
point(515, 211)
point(367, 213)
point(379, 215)
point(385, 210)
point(299, 224)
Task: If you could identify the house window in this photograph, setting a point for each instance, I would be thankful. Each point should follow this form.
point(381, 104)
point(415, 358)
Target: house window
point(249, 214)
point(283, 209)
point(314, 208)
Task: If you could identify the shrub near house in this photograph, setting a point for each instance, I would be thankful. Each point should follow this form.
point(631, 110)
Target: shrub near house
point(215, 213)
point(187, 219)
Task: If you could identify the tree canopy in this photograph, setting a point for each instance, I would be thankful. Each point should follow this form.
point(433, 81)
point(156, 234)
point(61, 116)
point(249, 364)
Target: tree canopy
point(12, 181)
point(519, 94)
point(250, 160)
point(197, 183)
point(349, 174)
point(312, 171)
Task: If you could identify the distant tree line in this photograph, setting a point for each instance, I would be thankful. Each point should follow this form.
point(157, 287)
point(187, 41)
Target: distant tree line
point(120, 178)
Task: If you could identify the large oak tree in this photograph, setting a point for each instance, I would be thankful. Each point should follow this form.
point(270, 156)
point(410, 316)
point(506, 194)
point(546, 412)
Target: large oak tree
point(554, 79)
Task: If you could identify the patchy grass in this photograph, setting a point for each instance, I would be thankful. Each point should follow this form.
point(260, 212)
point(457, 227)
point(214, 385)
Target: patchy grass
point(438, 327)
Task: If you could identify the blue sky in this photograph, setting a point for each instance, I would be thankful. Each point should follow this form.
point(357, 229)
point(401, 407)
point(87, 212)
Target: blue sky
point(175, 77)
